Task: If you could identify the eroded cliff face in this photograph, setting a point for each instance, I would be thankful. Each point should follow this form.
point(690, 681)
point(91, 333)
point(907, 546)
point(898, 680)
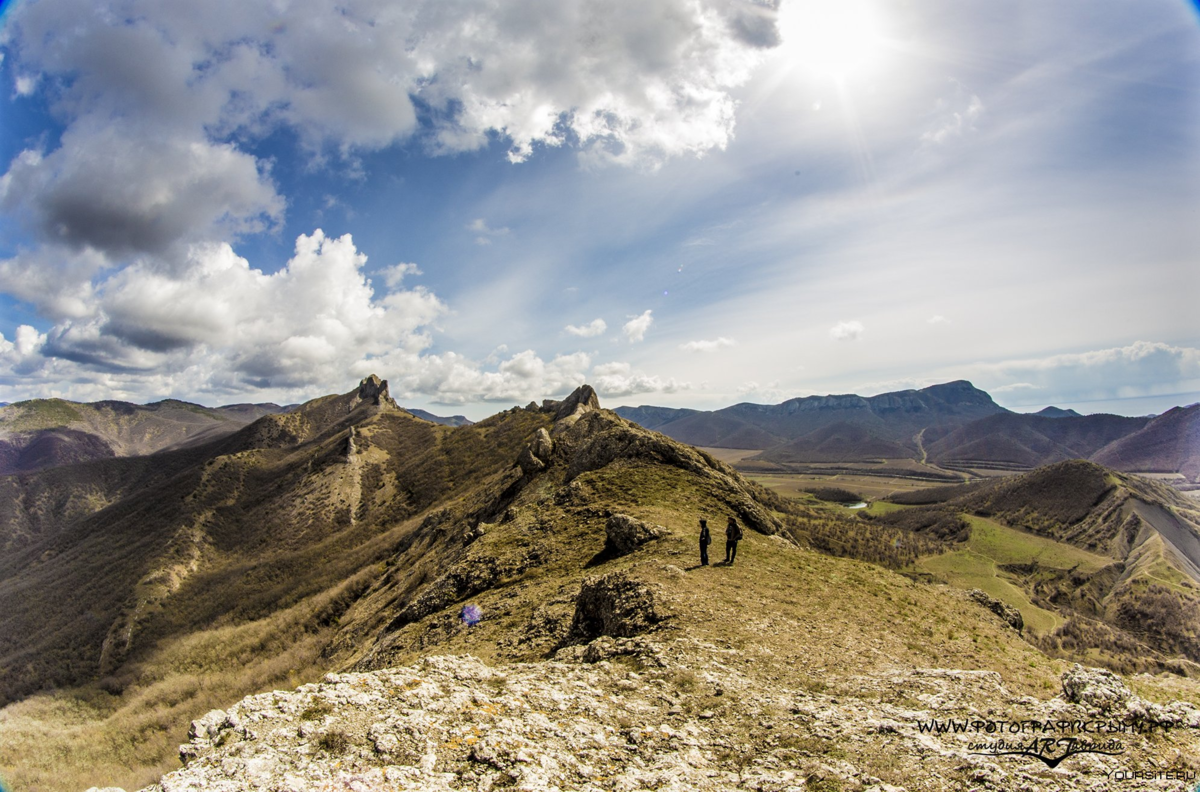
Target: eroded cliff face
point(631, 714)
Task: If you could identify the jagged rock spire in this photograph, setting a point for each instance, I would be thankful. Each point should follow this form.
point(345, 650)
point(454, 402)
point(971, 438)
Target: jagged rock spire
point(581, 400)
point(375, 391)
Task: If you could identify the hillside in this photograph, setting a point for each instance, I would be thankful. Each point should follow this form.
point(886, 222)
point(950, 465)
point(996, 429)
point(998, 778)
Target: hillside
point(347, 535)
point(46, 433)
point(1020, 442)
point(649, 417)
point(1167, 444)
point(1111, 565)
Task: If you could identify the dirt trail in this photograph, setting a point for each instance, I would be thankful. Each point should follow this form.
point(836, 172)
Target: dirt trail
point(1183, 539)
point(921, 446)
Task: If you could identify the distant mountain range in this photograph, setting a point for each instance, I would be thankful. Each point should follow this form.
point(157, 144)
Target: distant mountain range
point(43, 433)
point(954, 425)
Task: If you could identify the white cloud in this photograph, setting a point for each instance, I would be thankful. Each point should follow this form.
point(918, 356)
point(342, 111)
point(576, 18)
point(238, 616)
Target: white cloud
point(846, 331)
point(151, 94)
point(616, 380)
point(1137, 370)
point(708, 346)
point(396, 273)
point(769, 393)
point(938, 319)
point(485, 234)
point(218, 323)
point(635, 329)
point(590, 330)
point(123, 190)
point(25, 84)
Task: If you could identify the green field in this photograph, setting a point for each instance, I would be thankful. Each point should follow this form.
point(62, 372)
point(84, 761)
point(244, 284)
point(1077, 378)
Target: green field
point(977, 565)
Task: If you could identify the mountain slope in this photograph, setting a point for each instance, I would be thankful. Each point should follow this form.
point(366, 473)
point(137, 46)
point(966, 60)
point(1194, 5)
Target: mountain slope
point(45, 433)
point(1169, 443)
point(1134, 593)
point(349, 535)
point(1015, 441)
point(825, 428)
point(649, 417)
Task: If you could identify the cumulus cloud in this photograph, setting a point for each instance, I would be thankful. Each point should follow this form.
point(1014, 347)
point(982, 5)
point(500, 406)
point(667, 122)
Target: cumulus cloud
point(1137, 370)
point(159, 100)
point(122, 191)
point(218, 320)
point(395, 274)
point(635, 329)
point(708, 346)
point(220, 329)
point(615, 380)
point(846, 331)
point(21, 353)
point(590, 330)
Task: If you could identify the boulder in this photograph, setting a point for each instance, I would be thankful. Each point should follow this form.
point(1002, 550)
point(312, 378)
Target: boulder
point(614, 605)
point(1095, 688)
point(536, 455)
point(624, 534)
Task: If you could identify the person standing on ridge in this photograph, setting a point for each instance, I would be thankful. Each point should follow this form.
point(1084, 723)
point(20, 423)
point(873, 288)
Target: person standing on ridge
point(705, 541)
point(733, 532)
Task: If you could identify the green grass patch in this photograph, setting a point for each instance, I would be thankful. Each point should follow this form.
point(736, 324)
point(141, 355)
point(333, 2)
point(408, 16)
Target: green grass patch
point(967, 569)
point(1006, 545)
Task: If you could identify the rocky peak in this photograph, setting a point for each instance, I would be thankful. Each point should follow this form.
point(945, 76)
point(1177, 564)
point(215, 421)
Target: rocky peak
point(373, 390)
point(581, 400)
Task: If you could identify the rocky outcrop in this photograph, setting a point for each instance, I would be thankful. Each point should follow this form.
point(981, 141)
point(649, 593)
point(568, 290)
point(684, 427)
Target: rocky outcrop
point(624, 534)
point(373, 390)
point(615, 605)
point(1104, 693)
point(632, 715)
point(1001, 609)
point(536, 456)
point(582, 400)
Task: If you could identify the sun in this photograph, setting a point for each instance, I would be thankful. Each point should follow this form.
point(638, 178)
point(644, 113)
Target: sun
point(838, 39)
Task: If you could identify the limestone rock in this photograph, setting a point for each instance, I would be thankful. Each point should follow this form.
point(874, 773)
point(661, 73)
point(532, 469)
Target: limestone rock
point(615, 605)
point(1001, 609)
point(373, 390)
point(624, 534)
point(536, 455)
point(582, 400)
point(1096, 688)
point(634, 713)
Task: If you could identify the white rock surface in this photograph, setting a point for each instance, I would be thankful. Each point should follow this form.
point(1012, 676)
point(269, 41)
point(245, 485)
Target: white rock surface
point(629, 714)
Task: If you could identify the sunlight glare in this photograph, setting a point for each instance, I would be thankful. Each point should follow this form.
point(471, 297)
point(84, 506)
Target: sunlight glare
point(831, 38)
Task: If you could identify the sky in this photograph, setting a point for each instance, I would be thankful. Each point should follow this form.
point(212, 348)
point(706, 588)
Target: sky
point(686, 203)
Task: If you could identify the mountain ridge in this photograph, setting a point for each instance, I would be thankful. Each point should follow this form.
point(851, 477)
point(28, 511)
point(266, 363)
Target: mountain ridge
point(348, 535)
point(953, 426)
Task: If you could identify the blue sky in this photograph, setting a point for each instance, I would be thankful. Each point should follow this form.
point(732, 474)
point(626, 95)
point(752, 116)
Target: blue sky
point(682, 202)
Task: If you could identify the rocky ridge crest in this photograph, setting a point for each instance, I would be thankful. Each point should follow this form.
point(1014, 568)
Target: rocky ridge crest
point(624, 714)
